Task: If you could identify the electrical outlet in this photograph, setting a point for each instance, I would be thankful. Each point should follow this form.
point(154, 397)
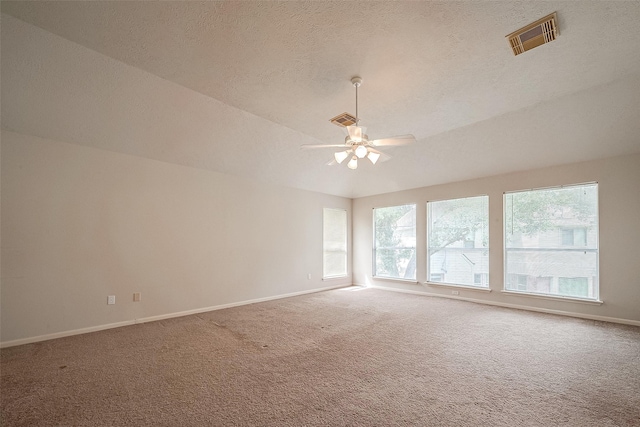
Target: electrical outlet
point(455, 293)
point(309, 276)
point(111, 299)
point(136, 297)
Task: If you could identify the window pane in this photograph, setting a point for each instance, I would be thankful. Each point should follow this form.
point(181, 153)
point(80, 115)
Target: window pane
point(334, 242)
point(574, 286)
point(395, 242)
point(551, 241)
point(458, 241)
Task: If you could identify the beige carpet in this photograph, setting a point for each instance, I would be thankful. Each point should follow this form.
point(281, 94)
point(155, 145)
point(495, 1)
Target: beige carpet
point(341, 358)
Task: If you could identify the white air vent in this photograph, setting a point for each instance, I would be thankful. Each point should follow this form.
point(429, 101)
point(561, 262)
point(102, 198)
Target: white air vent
point(344, 119)
point(533, 35)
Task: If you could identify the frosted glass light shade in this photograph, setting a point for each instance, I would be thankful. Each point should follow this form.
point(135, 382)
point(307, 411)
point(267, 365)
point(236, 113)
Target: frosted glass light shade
point(353, 163)
point(361, 151)
point(340, 156)
point(373, 157)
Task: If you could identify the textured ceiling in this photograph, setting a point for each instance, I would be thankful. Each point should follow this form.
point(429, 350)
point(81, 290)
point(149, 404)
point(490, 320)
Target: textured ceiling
point(236, 87)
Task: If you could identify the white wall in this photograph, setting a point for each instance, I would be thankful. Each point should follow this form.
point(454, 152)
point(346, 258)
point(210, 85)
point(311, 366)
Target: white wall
point(619, 199)
point(80, 223)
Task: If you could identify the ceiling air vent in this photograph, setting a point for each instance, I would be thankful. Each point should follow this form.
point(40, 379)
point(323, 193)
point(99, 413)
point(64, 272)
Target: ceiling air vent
point(344, 119)
point(533, 35)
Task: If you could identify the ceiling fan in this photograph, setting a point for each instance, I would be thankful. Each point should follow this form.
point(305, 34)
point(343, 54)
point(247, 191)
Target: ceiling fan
point(357, 143)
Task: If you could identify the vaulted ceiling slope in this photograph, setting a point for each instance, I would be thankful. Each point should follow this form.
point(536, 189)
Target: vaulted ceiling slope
point(237, 87)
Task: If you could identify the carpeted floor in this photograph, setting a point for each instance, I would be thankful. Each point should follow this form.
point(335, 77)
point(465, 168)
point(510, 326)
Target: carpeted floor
point(343, 358)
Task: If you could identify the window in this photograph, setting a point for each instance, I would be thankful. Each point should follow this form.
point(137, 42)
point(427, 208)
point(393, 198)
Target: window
point(481, 279)
point(458, 241)
point(551, 241)
point(394, 247)
point(334, 242)
point(574, 237)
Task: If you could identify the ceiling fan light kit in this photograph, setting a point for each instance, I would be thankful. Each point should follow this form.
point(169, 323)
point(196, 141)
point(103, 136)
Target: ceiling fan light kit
point(361, 151)
point(353, 163)
point(341, 155)
point(373, 157)
point(357, 142)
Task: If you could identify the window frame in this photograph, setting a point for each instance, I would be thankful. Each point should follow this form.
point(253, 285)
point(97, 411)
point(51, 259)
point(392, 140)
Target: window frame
point(471, 285)
point(561, 246)
point(374, 248)
point(346, 245)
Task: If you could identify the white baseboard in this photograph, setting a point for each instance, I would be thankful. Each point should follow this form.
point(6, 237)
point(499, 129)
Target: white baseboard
point(257, 300)
point(516, 306)
point(233, 304)
point(63, 334)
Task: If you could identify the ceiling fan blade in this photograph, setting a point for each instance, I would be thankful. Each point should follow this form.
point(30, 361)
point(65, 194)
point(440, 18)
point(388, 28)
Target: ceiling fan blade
point(356, 133)
point(332, 162)
point(308, 146)
point(395, 140)
point(384, 157)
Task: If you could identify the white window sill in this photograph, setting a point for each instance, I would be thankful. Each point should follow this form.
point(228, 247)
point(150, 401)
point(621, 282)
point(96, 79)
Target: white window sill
point(394, 279)
point(554, 297)
point(465, 287)
point(335, 277)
